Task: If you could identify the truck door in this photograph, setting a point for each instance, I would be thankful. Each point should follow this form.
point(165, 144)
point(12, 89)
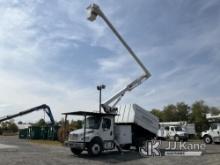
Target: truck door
point(166, 132)
point(172, 132)
point(214, 130)
point(107, 129)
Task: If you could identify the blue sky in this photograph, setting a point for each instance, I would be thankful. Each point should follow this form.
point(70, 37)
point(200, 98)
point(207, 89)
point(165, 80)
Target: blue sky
point(50, 53)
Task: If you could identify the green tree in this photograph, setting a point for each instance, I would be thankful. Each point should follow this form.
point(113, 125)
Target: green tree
point(8, 126)
point(20, 122)
point(12, 127)
point(79, 124)
point(4, 125)
point(199, 109)
point(41, 123)
point(170, 113)
point(158, 113)
point(182, 111)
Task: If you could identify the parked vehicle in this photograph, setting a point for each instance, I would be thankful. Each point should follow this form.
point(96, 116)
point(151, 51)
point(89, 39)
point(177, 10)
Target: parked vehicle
point(175, 133)
point(132, 126)
point(105, 131)
point(213, 134)
point(190, 129)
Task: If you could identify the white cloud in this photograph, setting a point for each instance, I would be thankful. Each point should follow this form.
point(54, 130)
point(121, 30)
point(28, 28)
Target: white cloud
point(23, 93)
point(113, 64)
point(33, 32)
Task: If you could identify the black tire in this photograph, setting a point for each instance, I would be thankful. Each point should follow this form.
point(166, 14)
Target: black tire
point(95, 148)
point(126, 147)
point(140, 143)
point(185, 140)
point(76, 151)
point(207, 139)
point(176, 138)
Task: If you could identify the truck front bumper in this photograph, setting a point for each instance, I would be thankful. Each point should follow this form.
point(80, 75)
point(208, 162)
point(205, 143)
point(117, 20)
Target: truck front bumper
point(72, 144)
point(216, 139)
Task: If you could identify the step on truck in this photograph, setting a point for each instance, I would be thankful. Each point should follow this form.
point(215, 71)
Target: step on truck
point(131, 126)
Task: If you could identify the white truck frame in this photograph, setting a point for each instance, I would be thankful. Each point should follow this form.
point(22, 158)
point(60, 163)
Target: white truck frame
point(213, 134)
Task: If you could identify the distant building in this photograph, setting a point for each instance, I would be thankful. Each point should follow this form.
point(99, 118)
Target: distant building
point(23, 125)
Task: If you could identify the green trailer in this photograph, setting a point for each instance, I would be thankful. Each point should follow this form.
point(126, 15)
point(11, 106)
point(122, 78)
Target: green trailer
point(34, 132)
point(52, 132)
point(44, 132)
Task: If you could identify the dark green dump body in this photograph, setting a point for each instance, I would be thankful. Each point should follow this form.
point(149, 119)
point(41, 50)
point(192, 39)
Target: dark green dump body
point(34, 132)
point(23, 133)
point(52, 133)
point(44, 132)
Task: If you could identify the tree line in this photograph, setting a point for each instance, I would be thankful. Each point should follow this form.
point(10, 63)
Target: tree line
point(8, 127)
point(196, 113)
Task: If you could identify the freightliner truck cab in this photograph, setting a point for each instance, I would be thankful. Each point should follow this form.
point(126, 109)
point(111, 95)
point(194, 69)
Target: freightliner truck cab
point(96, 135)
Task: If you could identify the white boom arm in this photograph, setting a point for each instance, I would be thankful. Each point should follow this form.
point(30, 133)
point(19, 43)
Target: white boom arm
point(93, 12)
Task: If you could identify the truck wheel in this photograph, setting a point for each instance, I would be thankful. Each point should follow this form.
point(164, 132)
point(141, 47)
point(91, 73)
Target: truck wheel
point(76, 151)
point(95, 148)
point(176, 138)
point(207, 139)
point(186, 140)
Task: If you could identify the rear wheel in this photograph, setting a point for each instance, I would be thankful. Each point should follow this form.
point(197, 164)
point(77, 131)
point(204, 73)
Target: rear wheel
point(185, 140)
point(207, 139)
point(140, 143)
point(95, 148)
point(76, 151)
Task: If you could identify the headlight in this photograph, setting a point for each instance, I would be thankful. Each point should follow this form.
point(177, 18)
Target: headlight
point(90, 131)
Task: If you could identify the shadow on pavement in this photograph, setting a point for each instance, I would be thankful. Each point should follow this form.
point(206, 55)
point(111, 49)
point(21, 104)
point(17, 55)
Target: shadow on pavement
point(114, 156)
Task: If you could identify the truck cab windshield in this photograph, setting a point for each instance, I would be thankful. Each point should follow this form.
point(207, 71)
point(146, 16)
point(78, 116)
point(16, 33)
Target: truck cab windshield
point(93, 122)
point(178, 129)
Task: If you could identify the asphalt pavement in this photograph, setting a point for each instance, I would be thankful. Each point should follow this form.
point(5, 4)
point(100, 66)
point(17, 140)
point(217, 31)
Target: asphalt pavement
point(14, 151)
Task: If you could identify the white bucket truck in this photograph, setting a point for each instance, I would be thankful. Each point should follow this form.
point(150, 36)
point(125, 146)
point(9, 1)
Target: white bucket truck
point(116, 127)
point(213, 134)
point(172, 131)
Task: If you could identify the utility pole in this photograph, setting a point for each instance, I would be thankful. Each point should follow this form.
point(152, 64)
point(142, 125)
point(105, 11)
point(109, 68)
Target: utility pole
point(99, 88)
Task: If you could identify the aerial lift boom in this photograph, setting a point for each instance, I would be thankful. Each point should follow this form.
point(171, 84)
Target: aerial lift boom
point(93, 12)
point(44, 107)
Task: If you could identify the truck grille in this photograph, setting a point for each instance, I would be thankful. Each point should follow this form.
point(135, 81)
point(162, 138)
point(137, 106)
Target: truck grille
point(73, 137)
